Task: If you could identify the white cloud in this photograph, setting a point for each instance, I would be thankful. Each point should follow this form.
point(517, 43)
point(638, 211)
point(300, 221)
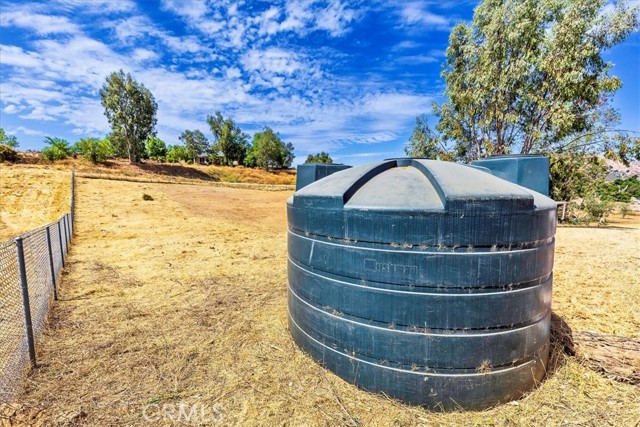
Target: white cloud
point(271, 61)
point(233, 69)
point(335, 18)
point(26, 131)
point(416, 59)
point(40, 24)
point(192, 9)
point(141, 55)
point(416, 13)
point(406, 44)
point(98, 6)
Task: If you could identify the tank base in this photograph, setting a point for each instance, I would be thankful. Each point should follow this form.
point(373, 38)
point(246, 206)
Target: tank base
point(436, 390)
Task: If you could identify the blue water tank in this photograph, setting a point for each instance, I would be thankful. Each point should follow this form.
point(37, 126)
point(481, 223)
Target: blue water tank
point(311, 172)
point(528, 170)
point(429, 281)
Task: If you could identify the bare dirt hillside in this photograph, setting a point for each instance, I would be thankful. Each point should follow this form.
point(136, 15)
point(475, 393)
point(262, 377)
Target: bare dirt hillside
point(164, 172)
point(31, 197)
point(183, 299)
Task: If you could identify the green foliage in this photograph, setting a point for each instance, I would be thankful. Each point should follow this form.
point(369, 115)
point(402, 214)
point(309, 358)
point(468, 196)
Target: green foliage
point(597, 209)
point(320, 157)
point(156, 148)
point(620, 190)
point(250, 160)
point(7, 154)
point(425, 143)
point(229, 140)
point(527, 75)
point(176, 153)
point(147, 197)
point(269, 151)
point(131, 111)
point(58, 149)
point(93, 149)
point(195, 143)
point(574, 175)
point(8, 140)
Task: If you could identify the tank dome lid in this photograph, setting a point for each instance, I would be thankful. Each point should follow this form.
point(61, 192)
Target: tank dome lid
point(421, 202)
point(420, 185)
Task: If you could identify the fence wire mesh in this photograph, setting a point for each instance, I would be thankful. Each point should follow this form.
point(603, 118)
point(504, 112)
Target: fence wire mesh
point(44, 250)
point(13, 354)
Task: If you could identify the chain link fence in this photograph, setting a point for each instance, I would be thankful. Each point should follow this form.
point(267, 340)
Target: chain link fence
point(30, 267)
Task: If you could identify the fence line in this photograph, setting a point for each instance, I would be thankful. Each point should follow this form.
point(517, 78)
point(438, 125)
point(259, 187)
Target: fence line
point(30, 266)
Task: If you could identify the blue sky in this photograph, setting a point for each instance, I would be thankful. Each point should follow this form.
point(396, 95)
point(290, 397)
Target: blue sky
point(348, 77)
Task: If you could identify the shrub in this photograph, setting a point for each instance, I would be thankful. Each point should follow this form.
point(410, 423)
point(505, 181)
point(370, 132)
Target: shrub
point(156, 148)
point(176, 153)
point(597, 208)
point(621, 190)
point(94, 149)
point(146, 196)
point(625, 209)
point(7, 154)
point(58, 149)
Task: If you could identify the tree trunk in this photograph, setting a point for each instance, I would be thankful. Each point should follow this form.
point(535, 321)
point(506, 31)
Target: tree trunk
point(132, 154)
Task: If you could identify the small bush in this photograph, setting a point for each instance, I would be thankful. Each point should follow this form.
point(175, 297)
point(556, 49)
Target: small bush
point(146, 196)
point(8, 154)
point(58, 149)
point(94, 149)
point(625, 209)
point(597, 209)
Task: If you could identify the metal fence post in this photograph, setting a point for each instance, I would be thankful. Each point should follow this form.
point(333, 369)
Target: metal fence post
point(53, 271)
point(69, 229)
point(66, 233)
point(25, 302)
point(73, 188)
point(60, 239)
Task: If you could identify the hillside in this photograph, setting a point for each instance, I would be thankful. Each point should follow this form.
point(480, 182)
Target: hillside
point(31, 197)
point(164, 172)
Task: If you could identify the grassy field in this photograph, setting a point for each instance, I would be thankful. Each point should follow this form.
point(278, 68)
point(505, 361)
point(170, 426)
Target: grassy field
point(183, 299)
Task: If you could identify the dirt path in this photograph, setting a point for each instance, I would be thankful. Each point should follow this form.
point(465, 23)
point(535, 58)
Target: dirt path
point(182, 300)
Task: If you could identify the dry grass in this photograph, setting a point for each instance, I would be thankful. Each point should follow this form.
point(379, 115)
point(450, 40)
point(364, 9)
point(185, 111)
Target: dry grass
point(31, 197)
point(183, 299)
point(151, 170)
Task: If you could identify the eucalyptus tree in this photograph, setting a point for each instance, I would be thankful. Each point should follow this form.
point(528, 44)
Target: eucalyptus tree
point(528, 75)
point(131, 110)
point(229, 140)
point(195, 143)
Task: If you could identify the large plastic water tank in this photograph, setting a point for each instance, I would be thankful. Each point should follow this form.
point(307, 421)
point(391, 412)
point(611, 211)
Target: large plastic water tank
point(527, 170)
point(312, 172)
point(428, 281)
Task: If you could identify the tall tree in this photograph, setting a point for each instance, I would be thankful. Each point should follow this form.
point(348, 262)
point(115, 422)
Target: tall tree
point(131, 110)
point(269, 151)
point(321, 157)
point(525, 74)
point(229, 140)
point(425, 143)
point(8, 140)
point(195, 143)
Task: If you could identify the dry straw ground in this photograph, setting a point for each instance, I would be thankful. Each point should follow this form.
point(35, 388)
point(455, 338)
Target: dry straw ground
point(183, 299)
point(30, 198)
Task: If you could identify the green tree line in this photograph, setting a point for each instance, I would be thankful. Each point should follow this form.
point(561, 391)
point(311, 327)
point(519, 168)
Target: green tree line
point(131, 111)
